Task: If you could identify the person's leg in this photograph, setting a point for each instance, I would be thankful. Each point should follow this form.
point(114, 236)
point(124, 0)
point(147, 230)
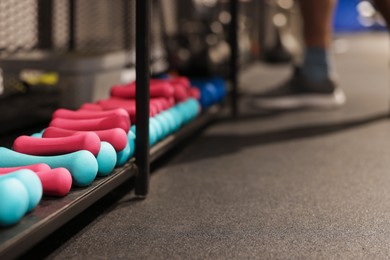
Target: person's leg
point(317, 33)
point(312, 84)
point(317, 22)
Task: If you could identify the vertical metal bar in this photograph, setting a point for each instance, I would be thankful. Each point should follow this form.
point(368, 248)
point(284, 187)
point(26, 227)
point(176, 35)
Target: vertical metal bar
point(72, 25)
point(45, 24)
point(234, 55)
point(142, 42)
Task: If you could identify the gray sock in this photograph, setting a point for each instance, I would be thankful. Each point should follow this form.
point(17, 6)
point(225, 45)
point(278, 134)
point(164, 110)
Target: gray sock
point(316, 64)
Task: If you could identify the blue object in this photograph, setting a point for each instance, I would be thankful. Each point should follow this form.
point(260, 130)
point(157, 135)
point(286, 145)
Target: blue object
point(31, 182)
point(14, 201)
point(220, 84)
point(106, 159)
point(212, 90)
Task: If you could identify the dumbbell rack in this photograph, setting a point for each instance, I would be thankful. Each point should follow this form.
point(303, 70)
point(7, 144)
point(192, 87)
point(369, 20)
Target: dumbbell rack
point(52, 213)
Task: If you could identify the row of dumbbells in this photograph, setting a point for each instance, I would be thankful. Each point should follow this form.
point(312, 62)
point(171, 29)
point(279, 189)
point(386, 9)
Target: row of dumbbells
point(79, 145)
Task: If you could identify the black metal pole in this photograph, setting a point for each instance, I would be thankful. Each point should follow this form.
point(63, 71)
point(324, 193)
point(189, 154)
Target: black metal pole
point(45, 24)
point(234, 55)
point(142, 43)
point(72, 25)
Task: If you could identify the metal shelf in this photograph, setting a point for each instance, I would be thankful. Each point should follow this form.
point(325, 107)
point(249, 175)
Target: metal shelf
point(52, 212)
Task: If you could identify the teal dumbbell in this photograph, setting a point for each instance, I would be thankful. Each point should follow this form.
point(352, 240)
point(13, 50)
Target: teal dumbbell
point(14, 202)
point(193, 107)
point(123, 156)
point(153, 137)
point(177, 115)
point(131, 139)
point(164, 124)
point(170, 121)
point(132, 129)
point(128, 152)
point(106, 159)
point(184, 112)
point(31, 182)
point(157, 127)
point(81, 164)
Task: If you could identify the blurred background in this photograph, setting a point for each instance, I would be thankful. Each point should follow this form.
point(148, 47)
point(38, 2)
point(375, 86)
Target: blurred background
point(65, 53)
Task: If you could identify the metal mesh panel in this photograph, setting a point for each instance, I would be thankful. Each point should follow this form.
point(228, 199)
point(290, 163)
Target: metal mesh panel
point(61, 25)
point(18, 25)
point(99, 25)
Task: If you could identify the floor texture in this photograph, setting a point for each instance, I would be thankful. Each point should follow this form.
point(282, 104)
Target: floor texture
point(303, 184)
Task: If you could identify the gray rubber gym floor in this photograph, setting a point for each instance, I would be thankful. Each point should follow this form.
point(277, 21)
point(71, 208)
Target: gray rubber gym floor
point(304, 184)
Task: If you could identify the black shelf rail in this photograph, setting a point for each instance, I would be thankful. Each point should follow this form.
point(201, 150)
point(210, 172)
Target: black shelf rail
point(142, 46)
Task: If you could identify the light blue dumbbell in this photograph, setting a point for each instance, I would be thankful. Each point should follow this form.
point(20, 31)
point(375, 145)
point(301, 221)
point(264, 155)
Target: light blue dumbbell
point(123, 156)
point(164, 125)
point(130, 148)
point(194, 107)
point(132, 129)
point(177, 115)
point(184, 112)
point(152, 133)
point(31, 182)
point(106, 159)
point(170, 120)
point(131, 139)
point(14, 201)
point(81, 164)
point(158, 129)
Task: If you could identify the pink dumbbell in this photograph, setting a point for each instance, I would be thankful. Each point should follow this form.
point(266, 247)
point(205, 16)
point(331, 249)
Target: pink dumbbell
point(55, 182)
point(161, 103)
point(180, 88)
point(184, 81)
point(158, 89)
point(127, 104)
point(70, 114)
point(38, 167)
point(90, 106)
point(92, 124)
point(117, 137)
point(181, 94)
point(55, 146)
